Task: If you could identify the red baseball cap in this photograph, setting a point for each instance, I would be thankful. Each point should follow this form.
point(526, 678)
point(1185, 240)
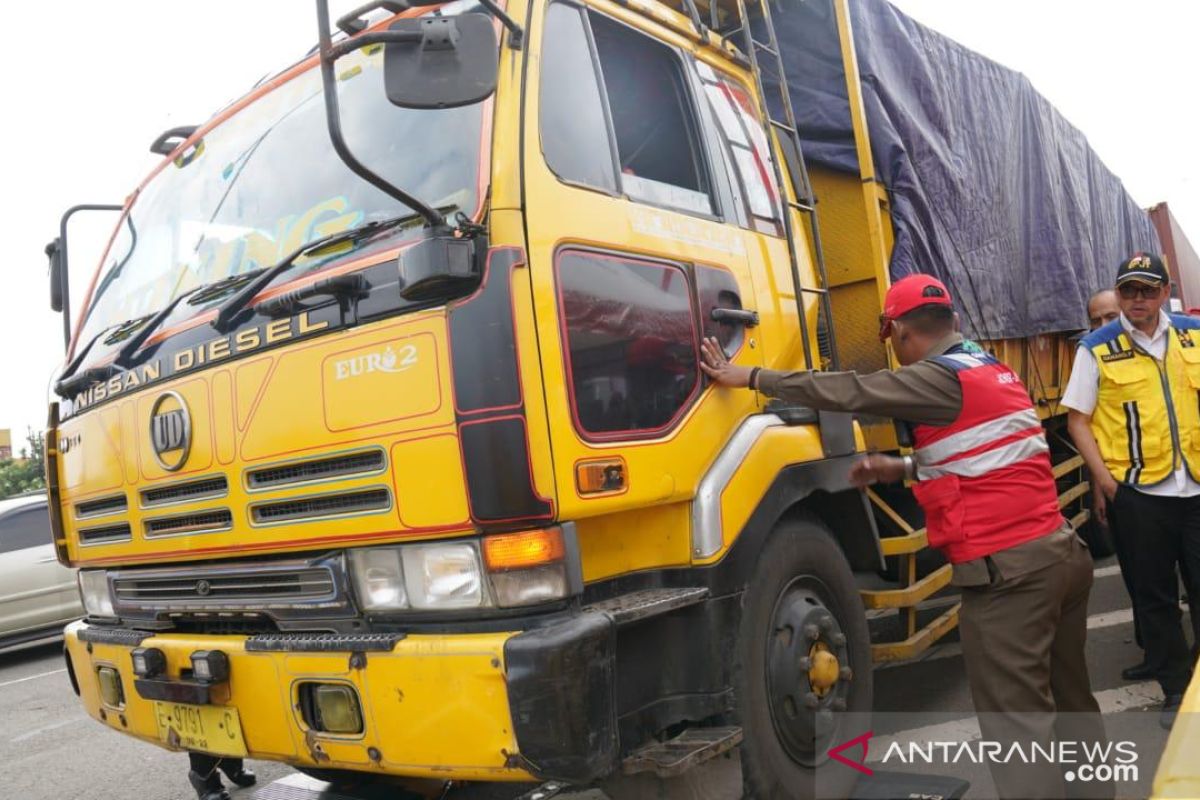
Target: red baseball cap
point(909, 293)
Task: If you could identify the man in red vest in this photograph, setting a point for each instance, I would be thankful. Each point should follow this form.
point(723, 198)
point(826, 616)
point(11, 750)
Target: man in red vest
point(981, 471)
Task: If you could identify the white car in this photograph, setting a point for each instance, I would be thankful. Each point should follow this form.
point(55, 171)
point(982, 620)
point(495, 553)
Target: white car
point(38, 596)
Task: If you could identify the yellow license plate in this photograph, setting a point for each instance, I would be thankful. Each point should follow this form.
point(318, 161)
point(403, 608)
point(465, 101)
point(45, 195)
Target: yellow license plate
point(210, 729)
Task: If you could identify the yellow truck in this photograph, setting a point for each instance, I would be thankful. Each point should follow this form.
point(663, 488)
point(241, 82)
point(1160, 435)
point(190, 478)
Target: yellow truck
point(381, 442)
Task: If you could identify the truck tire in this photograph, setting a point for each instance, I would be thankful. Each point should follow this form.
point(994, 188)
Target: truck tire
point(801, 606)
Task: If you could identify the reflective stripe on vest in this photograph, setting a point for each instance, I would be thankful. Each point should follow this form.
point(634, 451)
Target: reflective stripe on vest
point(989, 460)
point(985, 481)
point(971, 438)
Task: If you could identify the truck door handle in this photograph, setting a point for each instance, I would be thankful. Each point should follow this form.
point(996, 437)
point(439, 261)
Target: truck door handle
point(735, 316)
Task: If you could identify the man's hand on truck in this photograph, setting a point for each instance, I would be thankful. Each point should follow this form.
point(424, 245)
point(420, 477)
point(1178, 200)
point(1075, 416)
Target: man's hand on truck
point(875, 468)
point(718, 367)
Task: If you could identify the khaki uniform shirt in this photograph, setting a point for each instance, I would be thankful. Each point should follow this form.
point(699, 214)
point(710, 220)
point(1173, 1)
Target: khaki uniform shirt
point(923, 393)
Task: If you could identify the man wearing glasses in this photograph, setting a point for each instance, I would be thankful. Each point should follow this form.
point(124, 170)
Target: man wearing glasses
point(1134, 414)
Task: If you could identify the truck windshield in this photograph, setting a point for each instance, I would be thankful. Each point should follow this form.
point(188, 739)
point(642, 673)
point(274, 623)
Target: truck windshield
point(266, 181)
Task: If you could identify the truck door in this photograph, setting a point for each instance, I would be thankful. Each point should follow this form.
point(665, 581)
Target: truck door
point(634, 240)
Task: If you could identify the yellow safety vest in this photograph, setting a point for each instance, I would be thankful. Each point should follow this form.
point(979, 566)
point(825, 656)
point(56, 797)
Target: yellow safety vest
point(1147, 416)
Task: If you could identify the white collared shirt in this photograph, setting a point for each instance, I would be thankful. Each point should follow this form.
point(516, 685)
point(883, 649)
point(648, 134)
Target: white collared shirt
point(1084, 387)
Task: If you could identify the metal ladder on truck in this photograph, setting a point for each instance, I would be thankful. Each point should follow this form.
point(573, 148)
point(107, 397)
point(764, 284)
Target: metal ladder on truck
point(804, 202)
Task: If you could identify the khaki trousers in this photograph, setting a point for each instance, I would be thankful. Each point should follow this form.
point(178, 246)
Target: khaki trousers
point(1023, 643)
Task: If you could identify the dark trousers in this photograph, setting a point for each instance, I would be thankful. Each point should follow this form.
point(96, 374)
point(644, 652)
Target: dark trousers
point(1164, 533)
point(1023, 645)
point(1124, 546)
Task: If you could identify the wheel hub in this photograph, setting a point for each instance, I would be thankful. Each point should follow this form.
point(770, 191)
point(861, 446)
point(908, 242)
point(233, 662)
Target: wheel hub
point(823, 674)
point(808, 677)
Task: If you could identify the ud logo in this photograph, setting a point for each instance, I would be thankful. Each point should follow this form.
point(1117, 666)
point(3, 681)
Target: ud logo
point(170, 431)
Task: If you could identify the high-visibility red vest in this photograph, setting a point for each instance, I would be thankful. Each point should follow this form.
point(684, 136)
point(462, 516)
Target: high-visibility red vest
point(985, 480)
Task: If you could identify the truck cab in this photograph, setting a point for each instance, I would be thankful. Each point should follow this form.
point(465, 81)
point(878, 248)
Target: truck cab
point(382, 444)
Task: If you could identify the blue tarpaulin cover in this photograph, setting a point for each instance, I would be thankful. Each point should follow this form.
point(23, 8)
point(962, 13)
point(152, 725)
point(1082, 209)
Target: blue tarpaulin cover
point(991, 188)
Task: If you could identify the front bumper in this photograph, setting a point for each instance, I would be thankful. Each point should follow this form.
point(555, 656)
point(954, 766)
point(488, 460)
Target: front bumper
point(534, 705)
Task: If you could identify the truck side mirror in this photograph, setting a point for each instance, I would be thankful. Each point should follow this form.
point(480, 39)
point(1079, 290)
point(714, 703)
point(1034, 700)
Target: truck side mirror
point(54, 253)
point(441, 62)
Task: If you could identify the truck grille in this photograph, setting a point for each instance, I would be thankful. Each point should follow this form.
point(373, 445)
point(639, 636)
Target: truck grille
point(201, 522)
point(102, 506)
point(362, 463)
point(201, 588)
point(106, 534)
point(185, 492)
point(320, 507)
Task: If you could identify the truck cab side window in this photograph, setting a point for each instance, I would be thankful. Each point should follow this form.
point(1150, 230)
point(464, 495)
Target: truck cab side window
point(630, 335)
point(574, 130)
point(747, 147)
point(653, 120)
point(611, 94)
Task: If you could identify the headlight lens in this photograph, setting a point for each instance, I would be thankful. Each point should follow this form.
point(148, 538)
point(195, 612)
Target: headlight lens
point(378, 579)
point(93, 590)
point(527, 587)
point(440, 576)
point(504, 570)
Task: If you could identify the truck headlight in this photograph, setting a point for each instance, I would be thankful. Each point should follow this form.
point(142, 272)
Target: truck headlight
point(93, 590)
point(440, 576)
point(378, 578)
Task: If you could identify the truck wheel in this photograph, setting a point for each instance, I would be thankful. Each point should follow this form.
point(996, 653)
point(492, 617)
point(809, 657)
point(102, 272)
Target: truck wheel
point(803, 660)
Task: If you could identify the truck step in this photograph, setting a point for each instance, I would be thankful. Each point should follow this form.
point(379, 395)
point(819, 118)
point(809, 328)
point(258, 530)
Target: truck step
point(635, 606)
point(676, 756)
point(545, 791)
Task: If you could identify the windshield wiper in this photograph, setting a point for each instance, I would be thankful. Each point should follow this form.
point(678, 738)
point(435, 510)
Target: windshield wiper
point(141, 328)
point(248, 285)
point(236, 303)
point(68, 385)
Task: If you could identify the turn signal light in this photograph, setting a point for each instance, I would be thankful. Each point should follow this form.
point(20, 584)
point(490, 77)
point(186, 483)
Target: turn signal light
point(522, 550)
point(601, 476)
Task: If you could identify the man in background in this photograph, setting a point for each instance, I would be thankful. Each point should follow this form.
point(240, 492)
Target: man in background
point(1102, 308)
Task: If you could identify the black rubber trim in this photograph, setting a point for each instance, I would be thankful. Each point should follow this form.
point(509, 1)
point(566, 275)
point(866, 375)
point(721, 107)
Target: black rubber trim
point(121, 636)
point(323, 642)
point(191, 692)
point(71, 672)
point(561, 693)
point(837, 433)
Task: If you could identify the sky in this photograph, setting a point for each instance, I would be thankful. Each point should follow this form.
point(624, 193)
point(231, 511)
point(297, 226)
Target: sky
point(86, 96)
